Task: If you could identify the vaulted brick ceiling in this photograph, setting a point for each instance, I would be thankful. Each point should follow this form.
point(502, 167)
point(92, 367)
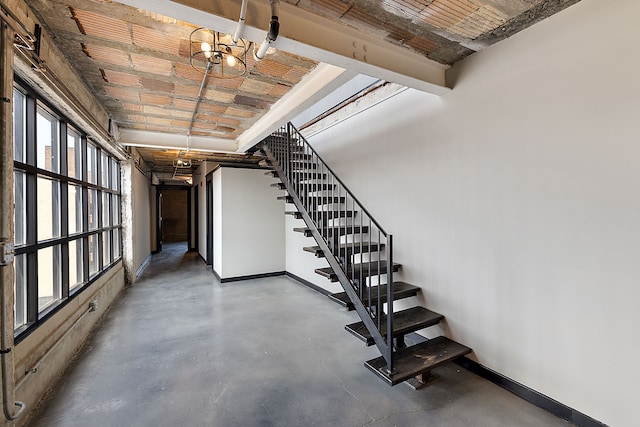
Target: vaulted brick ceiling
point(137, 62)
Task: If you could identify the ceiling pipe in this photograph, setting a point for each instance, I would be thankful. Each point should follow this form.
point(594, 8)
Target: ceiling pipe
point(272, 34)
point(240, 29)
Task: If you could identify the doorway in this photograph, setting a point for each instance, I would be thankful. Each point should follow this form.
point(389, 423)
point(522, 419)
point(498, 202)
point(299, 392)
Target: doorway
point(174, 216)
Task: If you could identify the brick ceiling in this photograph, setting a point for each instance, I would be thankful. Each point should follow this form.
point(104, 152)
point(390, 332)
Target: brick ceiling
point(137, 62)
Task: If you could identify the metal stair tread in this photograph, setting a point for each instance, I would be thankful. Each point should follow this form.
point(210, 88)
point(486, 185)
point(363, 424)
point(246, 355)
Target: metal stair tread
point(418, 359)
point(404, 322)
point(354, 270)
point(346, 249)
point(401, 290)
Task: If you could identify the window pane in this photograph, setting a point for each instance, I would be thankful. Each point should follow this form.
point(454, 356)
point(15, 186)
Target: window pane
point(75, 209)
point(93, 209)
point(106, 209)
point(20, 291)
point(19, 139)
point(116, 243)
point(94, 264)
point(74, 154)
point(106, 248)
point(47, 141)
point(48, 208)
point(49, 276)
point(115, 209)
point(76, 264)
point(20, 207)
point(92, 163)
point(115, 174)
point(105, 170)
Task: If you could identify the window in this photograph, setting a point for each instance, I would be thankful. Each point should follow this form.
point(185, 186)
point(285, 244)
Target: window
point(48, 210)
point(92, 163)
point(66, 206)
point(74, 154)
point(20, 207)
point(48, 145)
point(19, 135)
point(76, 264)
point(75, 208)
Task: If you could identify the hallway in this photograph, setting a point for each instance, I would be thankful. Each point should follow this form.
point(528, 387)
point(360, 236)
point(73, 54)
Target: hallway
point(179, 348)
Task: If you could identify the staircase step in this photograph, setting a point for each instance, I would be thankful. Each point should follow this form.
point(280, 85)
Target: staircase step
point(301, 166)
point(355, 271)
point(271, 173)
point(338, 231)
point(418, 359)
point(279, 185)
point(404, 322)
point(295, 214)
point(316, 187)
point(306, 175)
point(328, 200)
point(400, 290)
point(332, 214)
point(287, 199)
point(347, 249)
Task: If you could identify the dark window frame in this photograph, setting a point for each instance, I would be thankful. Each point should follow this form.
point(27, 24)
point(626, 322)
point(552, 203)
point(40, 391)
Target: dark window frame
point(34, 317)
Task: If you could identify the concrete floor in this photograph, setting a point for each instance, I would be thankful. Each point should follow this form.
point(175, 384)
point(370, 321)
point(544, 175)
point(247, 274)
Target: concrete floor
point(179, 348)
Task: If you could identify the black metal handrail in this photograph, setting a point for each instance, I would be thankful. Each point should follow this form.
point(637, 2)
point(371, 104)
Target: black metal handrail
point(342, 227)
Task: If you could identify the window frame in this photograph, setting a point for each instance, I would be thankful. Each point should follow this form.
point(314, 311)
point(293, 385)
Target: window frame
point(31, 247)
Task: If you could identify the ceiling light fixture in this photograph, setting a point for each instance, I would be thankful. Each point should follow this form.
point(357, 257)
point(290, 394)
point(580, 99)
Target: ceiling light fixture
point(216, 54)
point(181, 163)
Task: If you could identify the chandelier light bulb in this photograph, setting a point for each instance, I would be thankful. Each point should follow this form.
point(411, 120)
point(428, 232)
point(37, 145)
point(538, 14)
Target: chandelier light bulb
point(231, 61)
point(206, 48)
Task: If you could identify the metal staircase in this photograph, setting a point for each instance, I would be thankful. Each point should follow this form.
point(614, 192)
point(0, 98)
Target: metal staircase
point(360, 256)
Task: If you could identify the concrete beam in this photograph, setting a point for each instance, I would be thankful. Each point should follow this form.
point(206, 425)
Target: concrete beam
point(313, 87)
point(174, 141)
point(303, 33)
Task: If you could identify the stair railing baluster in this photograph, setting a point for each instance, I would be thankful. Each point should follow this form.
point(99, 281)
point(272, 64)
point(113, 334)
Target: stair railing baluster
point(389, 358)
point(294, 169)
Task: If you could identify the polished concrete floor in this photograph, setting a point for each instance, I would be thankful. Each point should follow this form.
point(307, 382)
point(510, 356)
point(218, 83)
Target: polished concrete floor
point(180, 349)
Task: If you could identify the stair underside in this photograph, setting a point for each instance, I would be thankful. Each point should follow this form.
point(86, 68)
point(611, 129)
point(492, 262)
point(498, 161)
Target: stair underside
point(400, 290)
point(418, 359)
point(358, 271)
point(404, 322)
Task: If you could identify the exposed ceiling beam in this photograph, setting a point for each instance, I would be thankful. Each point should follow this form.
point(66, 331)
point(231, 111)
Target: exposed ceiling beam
point(313, 87)
point(148, 139)
point(312, 36)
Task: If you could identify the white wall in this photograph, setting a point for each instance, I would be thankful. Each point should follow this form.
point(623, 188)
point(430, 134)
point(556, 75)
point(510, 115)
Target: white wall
point(300, 262)
point(250, 237)
point(514, 203)
point(218, 231)
point(141, 218)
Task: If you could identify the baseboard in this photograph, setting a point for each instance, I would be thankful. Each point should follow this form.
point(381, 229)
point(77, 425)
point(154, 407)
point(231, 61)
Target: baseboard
point(308, 284)
point(144, 265)
point(215, 273)
point(558, 409)
point(248, 277)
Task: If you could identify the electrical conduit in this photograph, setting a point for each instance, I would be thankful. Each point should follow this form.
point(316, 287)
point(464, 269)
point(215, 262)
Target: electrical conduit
point(272, 34)
point(6, 223)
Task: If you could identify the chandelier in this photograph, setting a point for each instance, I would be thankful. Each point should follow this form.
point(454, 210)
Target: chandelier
point(216, 54)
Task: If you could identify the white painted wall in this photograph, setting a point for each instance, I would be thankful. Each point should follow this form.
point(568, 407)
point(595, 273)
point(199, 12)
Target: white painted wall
point(300, 262)
point(250, 237)
point(218, 230)
point(141, 218)
point(514, 203)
